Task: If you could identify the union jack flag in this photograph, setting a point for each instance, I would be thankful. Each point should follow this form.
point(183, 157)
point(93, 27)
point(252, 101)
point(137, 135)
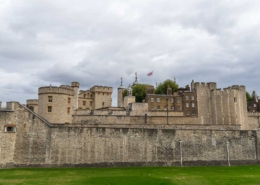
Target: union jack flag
point(150, 74)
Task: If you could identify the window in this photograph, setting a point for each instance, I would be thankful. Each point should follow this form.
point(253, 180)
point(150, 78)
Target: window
point(193, 112)
point(165, 107)
point(152, 99)
point(91, 96)
point(68, 110)
point(187, 97)
point(68, 100)
point(187, 104)
point(192, 97)
point(152, 107)
point(158, 99)
point(172, 107)
point(90, 103)
point(31, 108)
point(178, 108)
point(103, 103)
point(254, 105)
point(103, 93)
point(178, 100)
point(235, 99)
point(172, 100)
point(49, 108)
point(84, 95)
point(187, 113)
point(10, 129)
point(193, 104)
point(84, 103)
point(158, 107)
point(49, 98)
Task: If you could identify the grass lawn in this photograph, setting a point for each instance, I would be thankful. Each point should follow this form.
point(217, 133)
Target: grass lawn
point(218, 175)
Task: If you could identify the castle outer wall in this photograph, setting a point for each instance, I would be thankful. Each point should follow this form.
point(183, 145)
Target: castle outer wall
point(37, 143)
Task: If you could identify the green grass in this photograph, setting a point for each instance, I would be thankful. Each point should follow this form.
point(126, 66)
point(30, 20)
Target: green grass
point(218, 175)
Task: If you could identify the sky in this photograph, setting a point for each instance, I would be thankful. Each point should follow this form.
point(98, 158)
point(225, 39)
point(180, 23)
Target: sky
point(98, 42)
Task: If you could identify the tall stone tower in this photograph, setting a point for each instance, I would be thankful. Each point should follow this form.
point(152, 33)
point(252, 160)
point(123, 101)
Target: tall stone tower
point(102, 96)
point(75, 86)
point(120, 90)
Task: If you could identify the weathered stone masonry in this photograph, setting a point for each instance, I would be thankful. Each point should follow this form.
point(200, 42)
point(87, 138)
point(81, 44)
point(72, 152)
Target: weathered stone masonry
point(39, 143)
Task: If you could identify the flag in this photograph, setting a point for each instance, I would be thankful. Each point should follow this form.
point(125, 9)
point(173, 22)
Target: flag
point(150, 74)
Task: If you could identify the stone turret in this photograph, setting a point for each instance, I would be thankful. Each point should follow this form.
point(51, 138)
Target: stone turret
point(120, 90)
point(75, 86)
point(55, 103)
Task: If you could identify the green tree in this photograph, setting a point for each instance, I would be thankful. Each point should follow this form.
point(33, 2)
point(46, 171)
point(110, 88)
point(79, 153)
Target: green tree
point(248, 97)
point(124, 93)
point(162, 87)
point(138, 90)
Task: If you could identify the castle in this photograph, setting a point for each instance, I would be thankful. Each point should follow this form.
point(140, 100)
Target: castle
point(196, 125)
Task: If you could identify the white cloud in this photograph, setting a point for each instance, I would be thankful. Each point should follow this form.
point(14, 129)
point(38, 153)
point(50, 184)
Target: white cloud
point(97, 42)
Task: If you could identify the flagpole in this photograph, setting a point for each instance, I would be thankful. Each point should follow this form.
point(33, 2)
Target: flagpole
point(153, 81)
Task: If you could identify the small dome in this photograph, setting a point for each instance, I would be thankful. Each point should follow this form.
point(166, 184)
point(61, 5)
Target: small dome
point(129, 87)
point(121, 87)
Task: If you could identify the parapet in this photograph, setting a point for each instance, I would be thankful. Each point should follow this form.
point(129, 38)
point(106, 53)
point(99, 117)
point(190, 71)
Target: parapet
point(217, 91)
point(32, 102)
point(212, 85)
point(209, 85)
point(75, 84)
point(56, 90)
point(235, 87)
point(10, 105)
point(97, 88)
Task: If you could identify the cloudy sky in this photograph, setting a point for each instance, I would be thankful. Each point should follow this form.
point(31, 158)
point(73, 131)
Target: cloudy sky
point(97, 42)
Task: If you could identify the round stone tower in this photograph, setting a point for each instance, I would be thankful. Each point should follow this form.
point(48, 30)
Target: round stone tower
point(56, 103)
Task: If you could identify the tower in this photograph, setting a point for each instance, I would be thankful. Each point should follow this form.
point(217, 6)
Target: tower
point(75, 86)
point(120, 90)
point(129, 98)
point(55, 104)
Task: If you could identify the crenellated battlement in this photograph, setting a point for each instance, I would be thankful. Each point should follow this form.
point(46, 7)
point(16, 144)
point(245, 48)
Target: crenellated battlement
point(213, 86)
point(229, 89)
point(56, 90)
point(97, 88)
point(209, 85)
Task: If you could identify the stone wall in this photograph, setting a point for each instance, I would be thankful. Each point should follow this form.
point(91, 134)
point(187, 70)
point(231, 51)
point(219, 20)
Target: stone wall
point(253, 122)
point(37, 143)
point(152, 118)
point(7, 140)
point(28, 144)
